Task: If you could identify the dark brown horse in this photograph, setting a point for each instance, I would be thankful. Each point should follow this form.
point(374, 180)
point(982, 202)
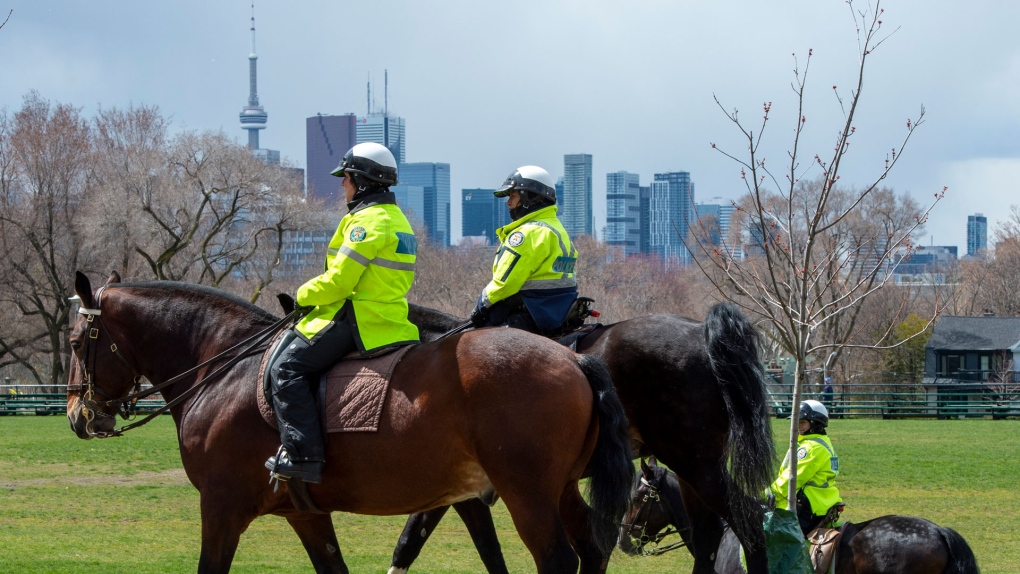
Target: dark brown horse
point(487, 410)
point(892, 544)
point(695, 397)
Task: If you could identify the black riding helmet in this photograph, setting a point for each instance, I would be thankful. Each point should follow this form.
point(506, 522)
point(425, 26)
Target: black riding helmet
point(371, 166)
point(815, 413)
point(537, 189)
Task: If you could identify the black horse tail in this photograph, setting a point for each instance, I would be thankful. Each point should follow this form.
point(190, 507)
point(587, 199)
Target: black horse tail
point(610, 467)
point(961, 557)
point(733, 344)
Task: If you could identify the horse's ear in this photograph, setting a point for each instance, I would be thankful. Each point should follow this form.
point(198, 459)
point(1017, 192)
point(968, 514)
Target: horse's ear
point(83, 288)
point(645, 470)
point(114, 277)
point(287, 302)
point(652, 461)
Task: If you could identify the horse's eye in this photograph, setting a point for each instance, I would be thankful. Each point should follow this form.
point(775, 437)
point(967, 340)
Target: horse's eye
point(75, 345)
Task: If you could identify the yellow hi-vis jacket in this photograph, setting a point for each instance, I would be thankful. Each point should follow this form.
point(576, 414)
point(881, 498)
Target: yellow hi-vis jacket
point(817, 468)
point(370, 263)
point(535, 259)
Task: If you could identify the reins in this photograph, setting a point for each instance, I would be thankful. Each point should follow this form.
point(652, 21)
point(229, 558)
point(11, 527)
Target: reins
point(127, 404)
point(640, 523)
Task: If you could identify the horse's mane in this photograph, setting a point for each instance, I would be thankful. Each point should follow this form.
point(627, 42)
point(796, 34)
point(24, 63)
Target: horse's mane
point(219, 297)
point(431, 322)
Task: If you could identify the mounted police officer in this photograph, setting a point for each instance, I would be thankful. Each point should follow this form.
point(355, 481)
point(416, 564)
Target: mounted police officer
point(817, 468)
point(358, 303)
point(533, 284)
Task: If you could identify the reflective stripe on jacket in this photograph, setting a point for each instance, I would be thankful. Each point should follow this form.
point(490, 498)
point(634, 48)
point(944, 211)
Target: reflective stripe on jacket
point(817, 468)
point(370, 263)
point(536, 259)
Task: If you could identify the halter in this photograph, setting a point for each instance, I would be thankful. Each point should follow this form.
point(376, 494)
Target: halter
point(90, 408)
point(127, 405)
point(638, 529)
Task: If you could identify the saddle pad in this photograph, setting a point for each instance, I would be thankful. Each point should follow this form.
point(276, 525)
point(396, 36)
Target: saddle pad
point(351, 394)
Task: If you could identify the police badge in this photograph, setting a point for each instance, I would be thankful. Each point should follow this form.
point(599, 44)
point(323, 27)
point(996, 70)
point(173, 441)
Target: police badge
point(515, 239)
point(358, 234)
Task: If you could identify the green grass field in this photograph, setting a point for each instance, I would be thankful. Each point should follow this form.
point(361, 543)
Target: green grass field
point(124, 504)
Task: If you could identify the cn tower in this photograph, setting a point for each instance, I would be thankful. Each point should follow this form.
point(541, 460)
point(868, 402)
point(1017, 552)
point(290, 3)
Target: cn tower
point(253, 117)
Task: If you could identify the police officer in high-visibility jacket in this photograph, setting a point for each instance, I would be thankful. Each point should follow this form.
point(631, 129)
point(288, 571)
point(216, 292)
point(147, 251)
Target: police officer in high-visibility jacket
point(358, 303)
point(533, 284)
point(817, 468)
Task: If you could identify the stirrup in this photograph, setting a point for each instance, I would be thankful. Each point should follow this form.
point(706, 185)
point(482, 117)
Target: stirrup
point(281, 467)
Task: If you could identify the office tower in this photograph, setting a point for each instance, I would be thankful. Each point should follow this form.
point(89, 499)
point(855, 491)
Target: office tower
point(575, 211)
point(714, 224)
point(411, 200)
point(384, 130)
point(623, 211)
point(434, 178)
point(327, 139)
point(977, 235)
point(482, 213)
point(671, 212)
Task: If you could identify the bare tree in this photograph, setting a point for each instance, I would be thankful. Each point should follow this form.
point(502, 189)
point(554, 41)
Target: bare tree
point(45, 154)
point(817, 248)
point(196, 207)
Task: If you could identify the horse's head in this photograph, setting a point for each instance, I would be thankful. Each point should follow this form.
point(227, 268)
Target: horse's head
point(99, 372)
point(649, 515)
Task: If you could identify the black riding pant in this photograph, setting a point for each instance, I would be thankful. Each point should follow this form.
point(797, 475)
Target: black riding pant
point(511, 312)
point(806, 517)
point(295, 374)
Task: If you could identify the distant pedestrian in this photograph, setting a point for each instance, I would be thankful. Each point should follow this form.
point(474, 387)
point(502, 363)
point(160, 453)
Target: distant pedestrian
point(827, 392)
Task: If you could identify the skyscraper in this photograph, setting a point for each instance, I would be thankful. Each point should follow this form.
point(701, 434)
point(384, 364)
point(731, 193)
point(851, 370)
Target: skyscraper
point(327, 139)
point(671, 212)
point(385, 130)
point(977, 234)
point(482, 213)
point(623, 211)
point(576, 204)
point(714, 220)
point(434, 178)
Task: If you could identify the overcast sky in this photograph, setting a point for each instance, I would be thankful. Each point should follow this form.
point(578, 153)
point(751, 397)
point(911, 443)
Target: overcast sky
point(489, 86)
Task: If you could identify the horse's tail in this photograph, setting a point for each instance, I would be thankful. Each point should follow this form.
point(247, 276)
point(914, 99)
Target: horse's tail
point(610, 466)
point(733, 343)
point(961, 557)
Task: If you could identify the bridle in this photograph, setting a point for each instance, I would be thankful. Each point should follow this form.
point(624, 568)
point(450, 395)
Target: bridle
point(90, 408)
point(638, 529)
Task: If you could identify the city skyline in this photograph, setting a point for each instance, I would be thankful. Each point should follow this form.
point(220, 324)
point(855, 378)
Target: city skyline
point(452, 84)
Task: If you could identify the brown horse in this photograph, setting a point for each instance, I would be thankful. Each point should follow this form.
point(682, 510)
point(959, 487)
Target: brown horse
point(492, 410)
point(892, 544)
point(695, 397)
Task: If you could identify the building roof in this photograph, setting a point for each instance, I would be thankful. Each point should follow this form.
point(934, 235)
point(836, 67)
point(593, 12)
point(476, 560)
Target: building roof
point(976, 333)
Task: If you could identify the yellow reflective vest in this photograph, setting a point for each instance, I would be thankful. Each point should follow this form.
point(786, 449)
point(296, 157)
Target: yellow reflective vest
point(370, 263)
point(536, 259)
point(817, 468)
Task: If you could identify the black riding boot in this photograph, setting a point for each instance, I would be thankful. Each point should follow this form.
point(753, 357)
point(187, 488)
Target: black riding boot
point(301, 454)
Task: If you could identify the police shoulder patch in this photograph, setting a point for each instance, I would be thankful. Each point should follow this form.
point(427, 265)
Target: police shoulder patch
point(515, 239)
point(358, 234)
point(802, 453)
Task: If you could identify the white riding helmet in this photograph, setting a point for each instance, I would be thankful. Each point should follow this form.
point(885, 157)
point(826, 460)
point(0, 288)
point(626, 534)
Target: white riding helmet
point(814, 411)
point(529, 178)
point(371, 160)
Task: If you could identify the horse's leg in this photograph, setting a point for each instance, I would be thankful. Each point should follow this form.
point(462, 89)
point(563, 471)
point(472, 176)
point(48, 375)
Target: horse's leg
point(706, 531)
point(575, 514)
point(478, 519)
point(711, 487)
point(537, 520)
point(416, 532)
point(223, 521)
point(319, 539)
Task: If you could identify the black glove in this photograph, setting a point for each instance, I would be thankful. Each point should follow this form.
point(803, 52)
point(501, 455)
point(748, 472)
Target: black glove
point(302, 309)
point(479, 317)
